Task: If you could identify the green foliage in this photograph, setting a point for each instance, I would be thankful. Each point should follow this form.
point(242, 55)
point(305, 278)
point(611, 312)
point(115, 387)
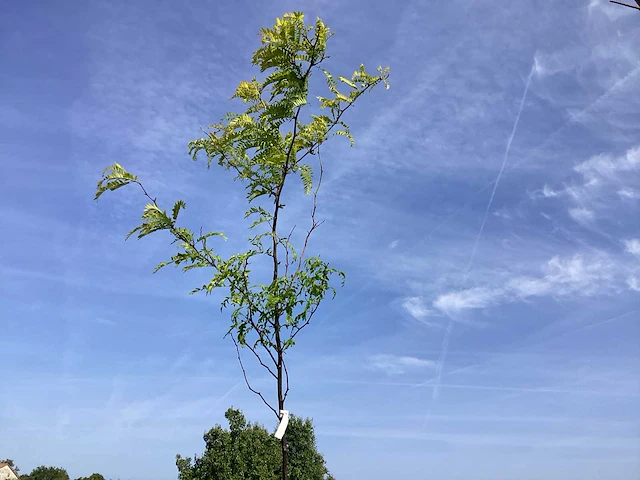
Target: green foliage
point(113, 178)
point(93, 476)
point(248, 451)
point(264, 145)
point(46, 473)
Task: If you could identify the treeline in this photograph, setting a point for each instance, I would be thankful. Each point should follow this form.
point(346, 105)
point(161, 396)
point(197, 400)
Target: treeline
point(244, 450)
point(48, 473)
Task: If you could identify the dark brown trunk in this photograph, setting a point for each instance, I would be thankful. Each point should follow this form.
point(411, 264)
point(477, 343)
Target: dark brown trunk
point(276, 324)
point(283, 442)
point(284, 457)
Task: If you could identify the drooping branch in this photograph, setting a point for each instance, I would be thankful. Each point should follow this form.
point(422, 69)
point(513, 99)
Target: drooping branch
point(246, 380)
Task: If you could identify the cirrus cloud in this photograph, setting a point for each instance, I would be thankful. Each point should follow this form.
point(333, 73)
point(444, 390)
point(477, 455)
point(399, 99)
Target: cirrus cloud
point(396, 365)
point(576, 276)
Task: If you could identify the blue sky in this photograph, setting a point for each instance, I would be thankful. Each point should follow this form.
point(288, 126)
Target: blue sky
point(487, 220)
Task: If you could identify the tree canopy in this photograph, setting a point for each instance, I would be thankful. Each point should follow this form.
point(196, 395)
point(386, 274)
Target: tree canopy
point(46, 473)
point(93, 476)
point(247, 451)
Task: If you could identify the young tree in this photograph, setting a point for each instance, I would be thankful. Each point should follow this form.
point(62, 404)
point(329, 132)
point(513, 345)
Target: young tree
point(266, 145)
point(248, 451)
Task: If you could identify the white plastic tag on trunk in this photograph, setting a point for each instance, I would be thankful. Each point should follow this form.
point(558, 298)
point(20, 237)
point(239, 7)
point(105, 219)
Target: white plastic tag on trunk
point(282, 427)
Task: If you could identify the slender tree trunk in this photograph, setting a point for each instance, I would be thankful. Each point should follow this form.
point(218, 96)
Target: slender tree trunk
point(283, 442)
point(276, 325)
point(284, 457)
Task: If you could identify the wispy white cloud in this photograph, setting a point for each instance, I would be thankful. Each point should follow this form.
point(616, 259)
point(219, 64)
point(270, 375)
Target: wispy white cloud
point(416, 307)
point(453, 303)
point(104, 321)
point(502, 213)
point(568, 276)
point(632, 246)
point(396, 365)
point(634, 284)
point(604, 7)
point(609, 167)
point(548, 192)
point(628, 193)
point(603, 181)
point(576, 276)
point(581, 215)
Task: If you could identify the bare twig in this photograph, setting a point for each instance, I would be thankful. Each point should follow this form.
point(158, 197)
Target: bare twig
point(153, 200)
point(286, 373)
point(286, 250)
point(246, 380)
point(253, 350)
point(314, 224)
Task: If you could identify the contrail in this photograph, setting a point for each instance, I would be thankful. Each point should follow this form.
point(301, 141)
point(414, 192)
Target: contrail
point(445, 340)
point(443, 357)
point(436, 379)
point(617, 85)
point(574, 118)
point(504, 163)
point(546, 141)
point(498, 388)
point(444, 350)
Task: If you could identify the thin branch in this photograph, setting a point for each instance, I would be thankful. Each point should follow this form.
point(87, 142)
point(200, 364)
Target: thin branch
point(314, 224)
point(246, 380)
point(626, 5)
point(153, 200)
point(252, 350)
point(298, 328)
point(286, 373)
point(177, 234)
point(208, 134)
point(265, 342)
point(286, 250)
point(247, 289)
